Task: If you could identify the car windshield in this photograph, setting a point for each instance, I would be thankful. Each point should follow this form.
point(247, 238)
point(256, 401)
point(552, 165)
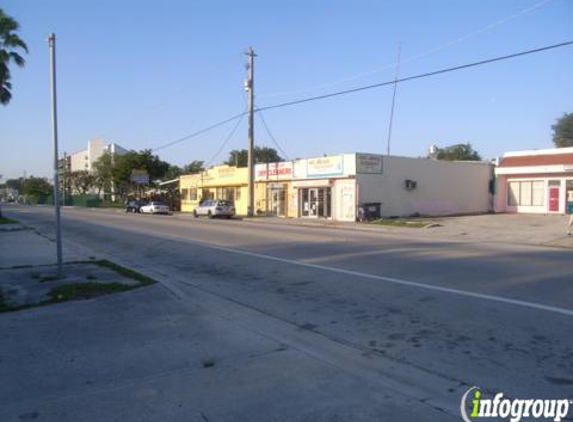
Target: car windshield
point(224, 203)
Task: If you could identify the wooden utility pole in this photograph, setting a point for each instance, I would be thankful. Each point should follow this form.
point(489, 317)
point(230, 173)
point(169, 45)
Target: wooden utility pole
point(250, 87)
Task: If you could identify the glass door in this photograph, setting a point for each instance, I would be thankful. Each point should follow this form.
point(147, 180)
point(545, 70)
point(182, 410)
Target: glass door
point(313, 202)
point(278, 202)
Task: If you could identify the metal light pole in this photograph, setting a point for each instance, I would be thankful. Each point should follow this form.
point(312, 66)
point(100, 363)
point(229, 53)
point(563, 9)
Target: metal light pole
point(250, 85)
point(52, 44)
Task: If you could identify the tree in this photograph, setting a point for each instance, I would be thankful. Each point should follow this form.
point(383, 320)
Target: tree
point(563, 131)
point(240, 158)
point(15, 184)
point(458, 152)
point(37, 188)
point(103, 169)
point(195, 166)
point(124, 164)
point(10, 43)
point(173, 172)
point(82, 181)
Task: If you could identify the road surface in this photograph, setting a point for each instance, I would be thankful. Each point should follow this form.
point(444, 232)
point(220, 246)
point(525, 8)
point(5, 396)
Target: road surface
point(427, 317)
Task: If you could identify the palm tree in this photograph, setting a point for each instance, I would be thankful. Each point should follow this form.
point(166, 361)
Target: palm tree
point(9, 42)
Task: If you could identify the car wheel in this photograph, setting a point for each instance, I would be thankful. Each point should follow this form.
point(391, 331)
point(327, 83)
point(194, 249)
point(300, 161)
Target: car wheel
point(210, 214)
point(228, 217)
point(195, 214)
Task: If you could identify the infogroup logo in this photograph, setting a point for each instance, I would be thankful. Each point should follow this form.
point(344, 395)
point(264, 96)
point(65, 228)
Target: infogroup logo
point(514, 409)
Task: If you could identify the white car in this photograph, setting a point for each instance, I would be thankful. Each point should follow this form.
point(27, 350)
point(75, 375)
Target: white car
point(154, 207)
point(215, 208)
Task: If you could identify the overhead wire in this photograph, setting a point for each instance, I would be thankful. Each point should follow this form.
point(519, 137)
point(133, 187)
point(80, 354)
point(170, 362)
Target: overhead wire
point(426, 53)
point(364, 88)
point(225, 141)
point(411, 78)
point(200, 132)
point(282, 151)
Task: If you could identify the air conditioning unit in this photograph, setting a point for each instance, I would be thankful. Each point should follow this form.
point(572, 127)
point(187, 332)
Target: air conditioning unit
point(410, 184)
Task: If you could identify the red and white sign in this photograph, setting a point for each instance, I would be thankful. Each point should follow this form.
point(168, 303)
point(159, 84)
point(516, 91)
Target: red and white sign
point(274, 171)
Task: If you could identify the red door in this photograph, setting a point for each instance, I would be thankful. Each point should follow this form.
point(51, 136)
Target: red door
point(554, 199)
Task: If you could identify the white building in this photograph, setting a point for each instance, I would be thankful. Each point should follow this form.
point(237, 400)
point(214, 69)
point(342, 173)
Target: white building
point(84, 159)
point(535, 181)
point(335, 186)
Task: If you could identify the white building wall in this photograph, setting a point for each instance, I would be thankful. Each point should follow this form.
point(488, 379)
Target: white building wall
point(79, 160)
point(344, 200)
point(95, 150)
point(442, 187)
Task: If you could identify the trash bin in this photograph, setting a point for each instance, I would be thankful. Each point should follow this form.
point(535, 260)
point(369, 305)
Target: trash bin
point(369, 211)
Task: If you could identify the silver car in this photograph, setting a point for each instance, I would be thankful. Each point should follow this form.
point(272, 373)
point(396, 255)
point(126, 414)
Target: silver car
point(215, 208)
point(154, 207)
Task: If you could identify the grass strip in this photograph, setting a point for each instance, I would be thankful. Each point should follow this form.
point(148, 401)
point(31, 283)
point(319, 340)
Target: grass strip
point(86, 290)
point(4, 220)
point(400, 223)
point(127, 272)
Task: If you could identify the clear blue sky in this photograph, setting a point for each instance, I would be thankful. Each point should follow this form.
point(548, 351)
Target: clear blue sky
point(144, 73)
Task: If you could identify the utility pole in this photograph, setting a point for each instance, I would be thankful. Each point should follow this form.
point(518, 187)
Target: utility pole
point(52, 44)
point(250, 87)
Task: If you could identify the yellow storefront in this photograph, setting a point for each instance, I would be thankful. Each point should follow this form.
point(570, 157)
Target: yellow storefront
point(221, 182)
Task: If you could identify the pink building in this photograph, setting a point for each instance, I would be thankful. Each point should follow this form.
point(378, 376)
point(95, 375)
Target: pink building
point(536, 181)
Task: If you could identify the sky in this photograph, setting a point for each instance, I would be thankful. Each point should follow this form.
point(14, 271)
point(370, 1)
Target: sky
point(145, 73)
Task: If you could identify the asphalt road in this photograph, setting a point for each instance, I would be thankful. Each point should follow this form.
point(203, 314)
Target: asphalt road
point(429, 316)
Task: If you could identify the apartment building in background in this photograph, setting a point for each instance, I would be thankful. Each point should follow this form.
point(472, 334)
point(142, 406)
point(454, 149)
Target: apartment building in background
point(84, 160)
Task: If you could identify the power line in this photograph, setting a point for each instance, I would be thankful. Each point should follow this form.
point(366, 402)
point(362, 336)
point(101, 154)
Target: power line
point(364, 88)
point(226, 141)
point(272, 137)
point(426, 53)
point(410, 78)
point(200, 132)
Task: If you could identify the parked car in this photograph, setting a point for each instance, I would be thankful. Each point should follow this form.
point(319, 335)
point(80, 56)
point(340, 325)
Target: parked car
point(215, 208)
point(154, 207)
point(134, 206)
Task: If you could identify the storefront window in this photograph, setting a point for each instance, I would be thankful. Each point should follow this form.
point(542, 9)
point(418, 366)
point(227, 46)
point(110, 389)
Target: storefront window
point(277, 201)
point(226, 194)
point(538, 193)
point(513, 194)
point(193, 194)
point(184, 194)
point(206, 195)
point(526, 193)
point(316, 202)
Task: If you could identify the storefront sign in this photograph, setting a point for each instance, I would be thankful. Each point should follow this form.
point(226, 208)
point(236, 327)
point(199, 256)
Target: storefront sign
point(226, 171)
point(276, 186)
point(274, 171)
point(139, 176)
point(325, 166)
point(368, 163)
